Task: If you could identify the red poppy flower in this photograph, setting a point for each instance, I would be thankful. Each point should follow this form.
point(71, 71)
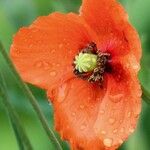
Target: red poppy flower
point(88, 63)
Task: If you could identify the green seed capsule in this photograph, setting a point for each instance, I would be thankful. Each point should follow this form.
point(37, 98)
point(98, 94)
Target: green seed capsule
point(85, 62)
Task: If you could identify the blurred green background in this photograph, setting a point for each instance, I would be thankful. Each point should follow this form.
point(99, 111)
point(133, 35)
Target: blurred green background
point(17, 13)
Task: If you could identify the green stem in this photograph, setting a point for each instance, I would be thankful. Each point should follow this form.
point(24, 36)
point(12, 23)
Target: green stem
point(145, 94)
point(32, 100)
point(16, 120)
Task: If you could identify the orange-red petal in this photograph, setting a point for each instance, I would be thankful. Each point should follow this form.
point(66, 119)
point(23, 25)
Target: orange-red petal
point(94, 118)
point(43, 53)
point(75, 110)
point(121, 105)
point(110, 21)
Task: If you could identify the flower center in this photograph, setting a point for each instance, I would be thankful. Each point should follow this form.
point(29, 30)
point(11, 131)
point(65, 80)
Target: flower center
point(90, 64)
point(85, 62)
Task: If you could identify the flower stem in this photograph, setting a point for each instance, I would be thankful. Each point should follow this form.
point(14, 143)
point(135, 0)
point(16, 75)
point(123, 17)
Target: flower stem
point(32, 100)
point(20, 133)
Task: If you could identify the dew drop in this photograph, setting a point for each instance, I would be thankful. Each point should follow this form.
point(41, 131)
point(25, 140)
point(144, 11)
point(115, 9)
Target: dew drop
point(103, 132)
point(62, 92)
point(38, 64)
point(52, 51)
point(116, 98)
point(73, 114)
point(82, 106)
point(122, 130)
point(131, 130)
point(139, 94)
point(58, 65)
point(30, 45)
point(102, 111)
point(89, 98)
point(120, 141)
point(135, 67)
point(64, 39)
point(108, 142)
point(136, 115)
point(115, 131)
point(67, 127)
point(83, 127)
point(111, 120)
point(46, 65)
point(129, 114)
point(97, 99)
point(60, 45)
point(53, 73)
point(121, 120)
point(43, 64)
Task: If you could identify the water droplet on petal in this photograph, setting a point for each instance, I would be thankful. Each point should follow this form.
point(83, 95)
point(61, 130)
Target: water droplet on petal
point(62, 93)
point(52, 51)
point(120, 141)
point(46, 65)
point(108, 142)
point(73, 114)
point(43, 64)
point(64, 39)
point(97, 99)
point(83, 127)
point(139, 94)
point(58, 65)
point(53, 73)
point(103, 132)
point(38, 64)
point(67, 127)
point(60, 45)
point(102, 111)
point(88, 98)
point(115, 131)
point(121, 120)
point(82, 106)
point(122, 130)
point(129, 114)
point(135, 66)
point(111, 120)
point(131, 130)
point(136, 115)
point(116, 98)
point(92, 106)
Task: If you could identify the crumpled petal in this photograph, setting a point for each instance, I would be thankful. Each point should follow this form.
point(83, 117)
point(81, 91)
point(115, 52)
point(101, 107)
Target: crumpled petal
point(97, 118)
point(110, 21)
point(44, 52)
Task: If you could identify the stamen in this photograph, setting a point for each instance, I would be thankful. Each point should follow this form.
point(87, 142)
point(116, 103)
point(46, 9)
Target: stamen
point(91, 64)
